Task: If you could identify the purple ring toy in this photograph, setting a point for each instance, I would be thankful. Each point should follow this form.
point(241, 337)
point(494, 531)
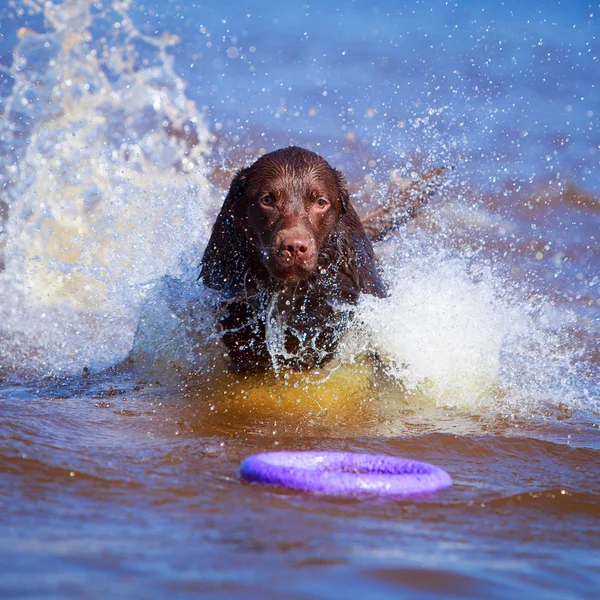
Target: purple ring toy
point(344, 473)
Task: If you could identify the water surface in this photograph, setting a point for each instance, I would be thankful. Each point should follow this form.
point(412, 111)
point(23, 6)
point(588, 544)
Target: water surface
point(121, 126)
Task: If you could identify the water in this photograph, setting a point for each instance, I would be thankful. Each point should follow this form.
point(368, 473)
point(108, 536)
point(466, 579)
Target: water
point(121, 127)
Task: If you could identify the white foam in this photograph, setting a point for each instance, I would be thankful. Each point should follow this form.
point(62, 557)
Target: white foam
point(453, 329)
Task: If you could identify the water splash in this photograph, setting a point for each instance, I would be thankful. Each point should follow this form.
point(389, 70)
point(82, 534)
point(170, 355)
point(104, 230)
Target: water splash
point(103, 170)
point(98, 135)
point(456, 331)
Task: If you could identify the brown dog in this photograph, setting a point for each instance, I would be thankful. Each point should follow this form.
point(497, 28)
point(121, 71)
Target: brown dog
point(289, 255)
point(287, 251)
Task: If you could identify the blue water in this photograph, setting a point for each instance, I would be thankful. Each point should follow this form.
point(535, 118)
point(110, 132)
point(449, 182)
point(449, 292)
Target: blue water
point(125, 483)
point(516, 83)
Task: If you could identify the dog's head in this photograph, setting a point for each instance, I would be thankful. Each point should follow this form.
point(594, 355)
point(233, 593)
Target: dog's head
point(281, 210)
point(287, 205)
point(285, 219)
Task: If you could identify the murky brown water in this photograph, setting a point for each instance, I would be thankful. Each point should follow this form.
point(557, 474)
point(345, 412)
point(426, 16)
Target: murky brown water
point(114, 486)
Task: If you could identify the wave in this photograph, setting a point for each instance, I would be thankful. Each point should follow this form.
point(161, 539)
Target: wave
point(555, 501)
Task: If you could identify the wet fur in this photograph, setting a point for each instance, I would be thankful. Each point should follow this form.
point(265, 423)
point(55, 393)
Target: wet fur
point(303, 320)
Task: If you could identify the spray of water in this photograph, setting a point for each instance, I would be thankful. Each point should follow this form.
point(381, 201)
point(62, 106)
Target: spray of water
point(454, 330)
point(104, 179)
point(103, 170)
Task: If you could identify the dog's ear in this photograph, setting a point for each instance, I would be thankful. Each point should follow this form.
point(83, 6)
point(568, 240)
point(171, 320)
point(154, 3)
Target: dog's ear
point(357, 258)
point(343, 190)
point(236, 189)
point(225, 259)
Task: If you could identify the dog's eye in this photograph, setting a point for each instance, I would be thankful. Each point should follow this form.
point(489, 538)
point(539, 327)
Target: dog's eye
point(322, 203)
point(267, 200)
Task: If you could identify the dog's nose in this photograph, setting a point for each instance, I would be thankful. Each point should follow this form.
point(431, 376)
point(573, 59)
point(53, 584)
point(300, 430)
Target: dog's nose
point(295, 247)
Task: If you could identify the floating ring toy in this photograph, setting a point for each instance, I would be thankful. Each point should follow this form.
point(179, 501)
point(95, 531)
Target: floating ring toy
point(344, 473)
